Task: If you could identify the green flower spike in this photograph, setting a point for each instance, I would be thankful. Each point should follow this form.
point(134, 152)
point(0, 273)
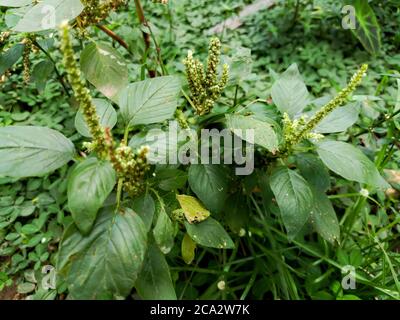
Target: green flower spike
point(82, 94)
point(204, 85)
point(26, 61)
point(130, 166)
point(297, 130)
point(96, 11)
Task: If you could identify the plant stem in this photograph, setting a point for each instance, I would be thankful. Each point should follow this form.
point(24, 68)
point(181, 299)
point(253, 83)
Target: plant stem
point(114, 36)
point(146, 36)
point(59, 76)
point(121, 180)
point(236, 95)
point(158, 50)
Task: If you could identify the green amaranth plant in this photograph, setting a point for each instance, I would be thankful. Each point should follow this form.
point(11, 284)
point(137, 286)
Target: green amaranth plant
point(127, 215)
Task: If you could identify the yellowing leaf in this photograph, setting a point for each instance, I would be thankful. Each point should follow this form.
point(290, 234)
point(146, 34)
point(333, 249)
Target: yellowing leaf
point(193, 209)
point(188, 249)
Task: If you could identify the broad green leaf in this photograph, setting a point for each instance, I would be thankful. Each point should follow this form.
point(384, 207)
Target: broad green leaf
point(210, 183)
point(209, 233)
point(144, 206)
point(14, 3)
point(42, 73)
point(105, 68)
point(48, 14)
point(188, 249)
point(323, 217)
point(368, 30)
point(150, 101)
point(170, 179)
point(350, 163)
point(13, 15)
point(10, 57)
point(104, 264)
point(264, 134)
point(27, 151)
point(340, 119)
point(164, 231)
point(89, 185)
point(154, 281)
point(240, 64)
point(236, 212)
point(106, 113)
point(193, 209)
point(313, 170)
point(294, 198)
point(289, 92)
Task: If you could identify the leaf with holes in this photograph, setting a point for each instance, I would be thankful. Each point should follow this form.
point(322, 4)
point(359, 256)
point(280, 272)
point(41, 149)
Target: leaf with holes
point(209, 233)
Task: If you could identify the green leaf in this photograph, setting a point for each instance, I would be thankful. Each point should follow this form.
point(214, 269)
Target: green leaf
point(210, 183)
point(150, 101)
point(193, 209)
point(10, 57)
point(42, 73)
point(89, 185)
point(104, 264)
point(350, 163)
point(106, 113)
point(29, 229)
point(164, 231)
point(294, 198)
point(240, 64)
point(13, 15)
point(171, 179)
point(14, 3)
point(32, 151)
point(264, 134)
point(188, 249)
point(313, 170)
point(144, 206)
point(323, 217)
point(154, 281)
point(340, 119)
point(48, 14)
point(105, 68)
point(209, 233)
point(289, 92)
point(26, 287)
point(236, 212)
point(367, 30)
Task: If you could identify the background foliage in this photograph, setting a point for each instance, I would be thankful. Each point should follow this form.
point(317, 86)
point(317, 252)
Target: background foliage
point(263, 263)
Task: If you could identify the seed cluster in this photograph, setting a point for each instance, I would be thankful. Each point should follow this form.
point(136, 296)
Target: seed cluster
point(204, 85)
point(26, 60)
point(297, 130)
point(130, 166)
point(4, 37)
point(96, 11)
